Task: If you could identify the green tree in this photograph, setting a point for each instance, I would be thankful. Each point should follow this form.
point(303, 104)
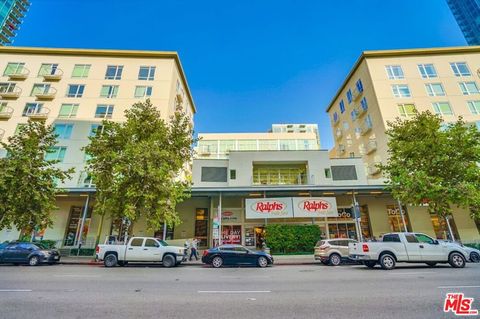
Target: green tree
point(139, 166)
point(28, 180)
point(434, 163)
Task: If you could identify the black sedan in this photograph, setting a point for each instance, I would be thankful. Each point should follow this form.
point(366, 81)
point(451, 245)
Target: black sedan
point(27, 253)
point(235, 255)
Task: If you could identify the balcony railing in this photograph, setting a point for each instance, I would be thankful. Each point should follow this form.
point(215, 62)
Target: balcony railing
point(47, 94)
point(371, 146)
point(54, 75)
point(361, 111)
point(280, 179)
point(365, 128)
point(341, 150)
point(37, 113)
point(356, 94)
point(10, 91)
point(5, 112)
point(20, 74)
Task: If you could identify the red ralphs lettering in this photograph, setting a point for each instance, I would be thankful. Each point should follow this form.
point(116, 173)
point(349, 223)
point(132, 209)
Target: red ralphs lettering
point(314, 205)
point(269, 206)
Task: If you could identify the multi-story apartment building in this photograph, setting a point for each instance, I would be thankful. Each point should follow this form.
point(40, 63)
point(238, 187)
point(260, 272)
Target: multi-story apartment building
point(74, 90)
point(384, 85)
point(467, 14)
point(12, 13)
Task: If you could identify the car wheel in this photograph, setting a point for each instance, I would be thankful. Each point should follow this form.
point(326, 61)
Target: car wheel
point(431, 264)
point(456, 260)
point(110, 260)
point(217, 262)
point(262, 262)
point(168, 261)
point(475, 257)
point(370, 263)
point(34, 261)
point(121, 263)
point(335, 259)
point(387, 261)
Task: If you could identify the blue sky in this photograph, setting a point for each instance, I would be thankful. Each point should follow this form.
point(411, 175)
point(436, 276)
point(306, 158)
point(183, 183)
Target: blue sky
point(249, 63)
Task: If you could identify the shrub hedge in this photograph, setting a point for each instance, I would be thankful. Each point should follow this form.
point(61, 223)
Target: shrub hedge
point(291, 238)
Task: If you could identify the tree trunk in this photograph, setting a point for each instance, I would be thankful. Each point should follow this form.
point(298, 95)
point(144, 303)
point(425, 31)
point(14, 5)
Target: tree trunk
point(99, 231)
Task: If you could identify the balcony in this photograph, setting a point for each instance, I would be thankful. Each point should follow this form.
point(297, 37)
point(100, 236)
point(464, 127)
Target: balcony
point(6, 29)
point(361, 111)
point(10, 91)
point(335, 122)
point(373, 169)
point(280, 174)
point(356, 94)
point(47, 94)
point(6, 112)
point(338, 133)
point(20, 74)
point(85, 180)
point(365, 128)
point(371, 147)
point(55, 74)
point(37, 113)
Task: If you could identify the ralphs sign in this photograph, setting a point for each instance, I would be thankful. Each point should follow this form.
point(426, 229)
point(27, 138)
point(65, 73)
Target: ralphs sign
point(268, 207)
point(315, 207)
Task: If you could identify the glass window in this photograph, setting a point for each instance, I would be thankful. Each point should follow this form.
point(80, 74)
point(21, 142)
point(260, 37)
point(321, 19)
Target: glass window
point(136, 242)
point(411, 238)
point(96, 128)
point(47, 69)
point(469, 88)
point(56, 153)
point(32, 108)
point(81, 71)
point(288, 145)
point(109, 91)
point(75, 90)
point(474, 107)
point(364, 104)
point(391, 238)
point(268, 145)
point(3, 107)
point(104, 111)
point(247, 145)
point(151, 243)
point(146, 73)
point(68, 111)
point(14, 68)
point(427, 71)
point(424, 239)
point(442, 108)
point(114, 72)
point(63, 131)
point(460, 69)
point(349, 96)
point(342, 106)
point(353, 115)
point(407, 110)
point(143, 91)
point(233, 174)
point(40, 89)
point(359, 85)
point(394, 72)
point(328, 173)
point(335, 117)
point(401, 90)
point(435, 89)
point(395, 218)
point(7, 87)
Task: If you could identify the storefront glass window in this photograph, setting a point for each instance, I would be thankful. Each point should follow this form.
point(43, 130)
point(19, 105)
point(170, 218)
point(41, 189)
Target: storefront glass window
point(118, 229)
point(168, 235)
point(74, 223)
point(232, 234)
point(441, 229)
point(201, 226)
point(395, 218)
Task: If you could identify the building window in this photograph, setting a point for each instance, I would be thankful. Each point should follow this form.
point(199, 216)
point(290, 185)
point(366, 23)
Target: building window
point(96, 128)
point(146, 73)
point(460, 69)
point(63, 131)
point(56, 153)
point(474, 107)
point(364, 103)
point(40, 89)
point(394, 72)
point(342, 106)
point(81, 71)
point(349, 96)
point(233, 174)
point(395, 219)
point(435, 89)
point(353, 115)
point(68, 111)
point(104, 111)
point(13, 68)
point(143, 91)
point(401, 90)
point(359, 85)
point(427, 71)
point(407, 110)
point(114, 72)
point(214, 174)
point(47, 69)
point(442, 108)
point(32, 108)
point(469, 88)
point(335, 117)
point(75, 90)
point(328, 173)
point(109, 91)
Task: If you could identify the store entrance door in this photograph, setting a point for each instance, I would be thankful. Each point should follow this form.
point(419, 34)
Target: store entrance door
point(259, 237)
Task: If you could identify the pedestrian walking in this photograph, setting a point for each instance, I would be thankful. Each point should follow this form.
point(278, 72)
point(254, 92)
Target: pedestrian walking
point(193, 249)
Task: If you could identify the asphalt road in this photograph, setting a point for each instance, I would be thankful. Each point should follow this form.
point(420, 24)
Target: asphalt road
point(297, 291)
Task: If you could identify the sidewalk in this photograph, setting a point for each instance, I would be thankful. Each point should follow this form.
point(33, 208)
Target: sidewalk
point(278, 260)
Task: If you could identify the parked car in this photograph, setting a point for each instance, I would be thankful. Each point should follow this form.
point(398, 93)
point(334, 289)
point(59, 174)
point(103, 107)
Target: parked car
point(473, 253)
point(333, 251)
point(235, 255)
point(27, 253)
point(140, 249)
point(407, 247)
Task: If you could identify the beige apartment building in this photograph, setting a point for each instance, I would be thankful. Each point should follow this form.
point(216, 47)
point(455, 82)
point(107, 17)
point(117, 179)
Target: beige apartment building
point(384, 85)
point(74, 90)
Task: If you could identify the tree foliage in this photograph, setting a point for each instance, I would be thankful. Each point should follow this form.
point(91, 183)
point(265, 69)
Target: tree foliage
point(27, 180)
point(434, 163)
point(138, 166)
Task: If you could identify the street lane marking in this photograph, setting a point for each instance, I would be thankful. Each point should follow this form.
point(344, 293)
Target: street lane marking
point(80, 276)
point(412, 273)
point(15, 290)
point(451, 287)
point(233, 291)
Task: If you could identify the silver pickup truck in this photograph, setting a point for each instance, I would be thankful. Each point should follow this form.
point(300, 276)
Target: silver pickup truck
point(140, 249)
point(407, 247)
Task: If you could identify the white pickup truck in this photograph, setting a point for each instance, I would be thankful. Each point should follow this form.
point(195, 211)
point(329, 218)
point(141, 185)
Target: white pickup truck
point(407, 247)
point(140, 249)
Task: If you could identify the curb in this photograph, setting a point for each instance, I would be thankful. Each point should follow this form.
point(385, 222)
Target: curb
point(97, 263)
